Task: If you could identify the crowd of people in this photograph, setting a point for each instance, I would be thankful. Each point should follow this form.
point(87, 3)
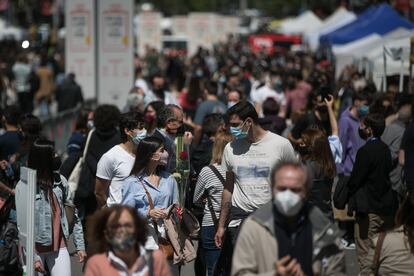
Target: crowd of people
point(283, 168)
point(35, 81)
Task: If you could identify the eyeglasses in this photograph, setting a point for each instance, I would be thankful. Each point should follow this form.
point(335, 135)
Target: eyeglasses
point(125, 226)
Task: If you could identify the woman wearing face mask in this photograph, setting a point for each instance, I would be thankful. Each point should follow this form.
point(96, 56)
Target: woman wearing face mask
point(118, 233)
point(51, 224)
point(116, 164)
point(316, 154)
point(150, 184)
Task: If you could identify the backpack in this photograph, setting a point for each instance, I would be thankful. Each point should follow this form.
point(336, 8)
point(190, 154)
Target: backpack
point(9, 253)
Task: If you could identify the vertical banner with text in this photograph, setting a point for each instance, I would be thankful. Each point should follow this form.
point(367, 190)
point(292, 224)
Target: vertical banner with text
point(201, 31)
point(80, 44)
point(115, 64)
point(149, 31)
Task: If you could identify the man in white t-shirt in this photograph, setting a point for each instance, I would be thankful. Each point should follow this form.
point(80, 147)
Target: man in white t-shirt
point(116, 164)
point(247, 161)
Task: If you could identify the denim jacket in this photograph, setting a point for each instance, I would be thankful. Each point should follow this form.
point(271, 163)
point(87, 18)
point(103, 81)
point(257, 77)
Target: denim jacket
point(43, 216)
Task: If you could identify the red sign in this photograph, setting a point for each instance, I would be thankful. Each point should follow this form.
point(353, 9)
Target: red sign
point(269, 42)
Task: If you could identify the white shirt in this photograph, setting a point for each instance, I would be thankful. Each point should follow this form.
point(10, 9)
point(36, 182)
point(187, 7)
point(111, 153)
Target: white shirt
point(252, 163)
point(115, 165)
point(141, 83)
point(261, 94)
point(169, 98)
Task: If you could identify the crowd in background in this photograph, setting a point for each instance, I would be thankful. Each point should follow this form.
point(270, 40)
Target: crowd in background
point(269, 139)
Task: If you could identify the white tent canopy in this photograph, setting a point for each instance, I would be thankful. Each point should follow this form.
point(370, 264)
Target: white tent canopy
point(303, 23)
point(370, 48)
point(338, 19)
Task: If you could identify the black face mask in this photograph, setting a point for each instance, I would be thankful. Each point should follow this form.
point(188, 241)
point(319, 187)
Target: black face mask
point(290, 85)
point(56, 163)
point(322, 109)
point(303, 151)
point(159, 91)
point(363, 133)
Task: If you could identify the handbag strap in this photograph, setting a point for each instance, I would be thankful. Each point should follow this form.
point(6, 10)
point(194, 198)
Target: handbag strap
point(151, 204)
point(218, 174)
point(378, 248)
point(88, 139)
point(209, 201)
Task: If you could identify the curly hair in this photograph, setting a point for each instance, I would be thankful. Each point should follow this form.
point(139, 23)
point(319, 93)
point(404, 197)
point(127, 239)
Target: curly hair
point(106, 117)
point(100, 221)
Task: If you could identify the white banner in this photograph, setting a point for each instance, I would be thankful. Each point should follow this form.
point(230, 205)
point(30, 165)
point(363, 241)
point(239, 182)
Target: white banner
point(201, 31)
point(25, 215)
point(149, 31)
point(179, 25)
point(80, 44)
point(116, 58)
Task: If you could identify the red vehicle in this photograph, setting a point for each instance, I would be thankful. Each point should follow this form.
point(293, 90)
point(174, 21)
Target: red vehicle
point(270, 42)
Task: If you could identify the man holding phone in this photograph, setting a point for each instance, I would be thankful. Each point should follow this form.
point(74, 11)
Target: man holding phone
point(288, 236)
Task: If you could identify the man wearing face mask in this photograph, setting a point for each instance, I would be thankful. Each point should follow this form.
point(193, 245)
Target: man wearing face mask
point(370, 194)
point(247, 162)
point(116, 164)
point(288, 236)
point(351, 142)
point(348, 132)
point(169, 121)
point(392, 136)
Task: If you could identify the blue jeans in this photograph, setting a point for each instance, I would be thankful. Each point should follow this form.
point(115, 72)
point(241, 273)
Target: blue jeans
point(211, 252)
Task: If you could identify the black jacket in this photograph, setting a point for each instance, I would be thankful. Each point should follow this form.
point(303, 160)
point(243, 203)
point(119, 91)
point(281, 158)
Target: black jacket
point(369, 185)
point(68, 95)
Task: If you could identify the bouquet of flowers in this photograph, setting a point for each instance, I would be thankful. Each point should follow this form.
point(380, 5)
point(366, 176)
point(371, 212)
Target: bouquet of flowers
point(182, 170)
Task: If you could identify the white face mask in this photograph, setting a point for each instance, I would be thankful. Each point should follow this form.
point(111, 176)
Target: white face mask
point(288, 203)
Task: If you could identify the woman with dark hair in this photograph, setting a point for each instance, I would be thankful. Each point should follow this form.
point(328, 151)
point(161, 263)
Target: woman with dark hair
point(316, 154)
point(150, 114)
point(51, 224)
point(190, 97)
point(150, 184)
point(396, 247)
point(118, 234)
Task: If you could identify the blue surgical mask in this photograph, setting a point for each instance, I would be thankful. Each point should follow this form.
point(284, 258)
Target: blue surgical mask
point(238, 133)
point(139, 136)
point(363, 110)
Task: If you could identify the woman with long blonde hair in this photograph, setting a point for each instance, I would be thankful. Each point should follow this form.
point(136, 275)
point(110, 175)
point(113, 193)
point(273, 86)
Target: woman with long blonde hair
point(209, 188)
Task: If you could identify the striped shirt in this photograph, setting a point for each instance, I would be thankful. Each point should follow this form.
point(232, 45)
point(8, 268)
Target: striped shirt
point(208, 184)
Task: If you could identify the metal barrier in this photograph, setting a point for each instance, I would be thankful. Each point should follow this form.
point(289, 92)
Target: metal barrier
point(59, 128)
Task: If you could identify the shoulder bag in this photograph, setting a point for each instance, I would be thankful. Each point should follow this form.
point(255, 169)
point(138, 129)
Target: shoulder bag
point(378, 248)
point(74, 176)
point(163, 243)
point(209, 201)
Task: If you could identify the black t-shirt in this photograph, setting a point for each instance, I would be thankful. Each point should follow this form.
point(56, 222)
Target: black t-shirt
point(307, 120)
point(9, 144)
